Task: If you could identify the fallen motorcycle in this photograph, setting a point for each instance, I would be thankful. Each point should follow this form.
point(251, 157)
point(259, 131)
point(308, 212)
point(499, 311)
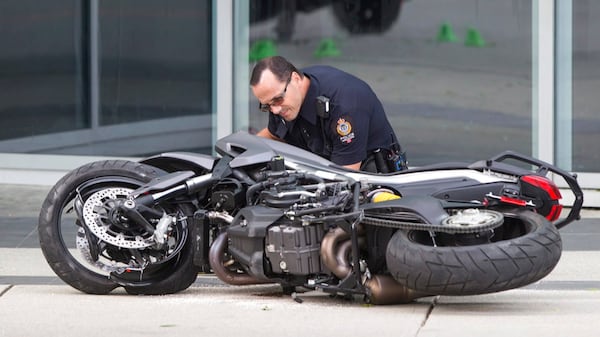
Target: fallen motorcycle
point(267, 212)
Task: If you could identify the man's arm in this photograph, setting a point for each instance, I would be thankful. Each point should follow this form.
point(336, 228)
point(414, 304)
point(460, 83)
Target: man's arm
point(355, 166)
point(265, 133)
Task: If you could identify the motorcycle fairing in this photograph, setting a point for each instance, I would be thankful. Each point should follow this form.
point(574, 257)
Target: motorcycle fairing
point(181, 161)
point(249, 149)
point(429, 209)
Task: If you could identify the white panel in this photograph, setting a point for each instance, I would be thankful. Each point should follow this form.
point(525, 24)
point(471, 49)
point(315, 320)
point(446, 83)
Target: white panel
point(543, 80)
point(223, 71)
point(241, 66)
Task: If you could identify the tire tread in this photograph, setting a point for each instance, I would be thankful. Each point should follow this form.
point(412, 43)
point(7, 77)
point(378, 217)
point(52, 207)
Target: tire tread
point(468, 270)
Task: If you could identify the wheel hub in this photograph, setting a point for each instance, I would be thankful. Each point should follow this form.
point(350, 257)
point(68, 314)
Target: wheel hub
point(474, 219)
point(106, 224)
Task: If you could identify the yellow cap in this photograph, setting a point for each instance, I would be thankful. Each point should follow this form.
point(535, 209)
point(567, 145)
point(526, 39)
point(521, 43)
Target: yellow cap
point(384, 196)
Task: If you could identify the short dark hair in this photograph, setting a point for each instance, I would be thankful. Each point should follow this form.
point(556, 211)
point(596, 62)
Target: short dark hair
point(278, 65)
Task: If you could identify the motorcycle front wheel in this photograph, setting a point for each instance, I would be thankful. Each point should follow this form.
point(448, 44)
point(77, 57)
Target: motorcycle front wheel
point(98, 264)
point(522, 251)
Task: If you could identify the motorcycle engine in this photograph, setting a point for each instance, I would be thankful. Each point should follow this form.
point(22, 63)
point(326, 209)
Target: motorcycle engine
point(266, 242)
point(294, 249)
point(271, 236)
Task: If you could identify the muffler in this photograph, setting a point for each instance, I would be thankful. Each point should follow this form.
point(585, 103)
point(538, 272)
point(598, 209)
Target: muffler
point(383, 289)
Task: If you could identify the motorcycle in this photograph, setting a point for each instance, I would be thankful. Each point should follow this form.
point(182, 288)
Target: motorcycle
point(263, 211)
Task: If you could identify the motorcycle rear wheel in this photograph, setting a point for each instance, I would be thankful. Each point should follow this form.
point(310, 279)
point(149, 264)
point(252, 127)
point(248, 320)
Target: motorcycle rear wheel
point(58, 229)
point(530, 247)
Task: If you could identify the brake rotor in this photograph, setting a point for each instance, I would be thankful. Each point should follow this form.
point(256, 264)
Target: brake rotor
point(98, 218)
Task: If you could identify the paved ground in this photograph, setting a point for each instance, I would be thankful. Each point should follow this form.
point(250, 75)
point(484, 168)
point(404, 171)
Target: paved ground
point(34, 302)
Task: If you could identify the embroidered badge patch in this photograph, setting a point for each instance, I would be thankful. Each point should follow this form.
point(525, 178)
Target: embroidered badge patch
point(344, 129)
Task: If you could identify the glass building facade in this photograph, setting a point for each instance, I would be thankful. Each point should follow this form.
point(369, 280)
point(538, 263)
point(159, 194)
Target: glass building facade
point(105, 77)
point(461, 80)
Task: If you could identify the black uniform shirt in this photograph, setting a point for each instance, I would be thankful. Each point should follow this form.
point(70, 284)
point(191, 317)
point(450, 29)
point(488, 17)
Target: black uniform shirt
point(356, 125)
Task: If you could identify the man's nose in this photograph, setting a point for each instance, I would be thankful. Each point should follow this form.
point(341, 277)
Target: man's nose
point(276, 109)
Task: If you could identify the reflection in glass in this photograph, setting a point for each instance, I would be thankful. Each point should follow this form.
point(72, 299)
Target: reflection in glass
point(149, 92)
point(454, 76)
point(155, 60)
point(41, 68)
point(586, 86)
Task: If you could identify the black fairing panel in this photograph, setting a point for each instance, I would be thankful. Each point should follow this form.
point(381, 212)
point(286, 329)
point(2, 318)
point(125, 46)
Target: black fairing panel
point(470, 193)
point(427, 208)
point(181, 161)
point(249, 149)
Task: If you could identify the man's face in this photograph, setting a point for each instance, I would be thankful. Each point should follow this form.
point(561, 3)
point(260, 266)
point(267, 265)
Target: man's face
point(281, 98)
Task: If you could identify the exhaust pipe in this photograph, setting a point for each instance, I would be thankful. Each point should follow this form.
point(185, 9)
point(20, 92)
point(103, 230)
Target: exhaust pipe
point(215, 258)
point(337, 263)
point(335, 251)
point(383, 289)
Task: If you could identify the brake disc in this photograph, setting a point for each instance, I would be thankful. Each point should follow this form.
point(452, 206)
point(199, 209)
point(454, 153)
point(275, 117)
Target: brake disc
point(97, 217)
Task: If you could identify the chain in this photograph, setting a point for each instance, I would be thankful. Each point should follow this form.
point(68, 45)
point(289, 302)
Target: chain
point(428, 227)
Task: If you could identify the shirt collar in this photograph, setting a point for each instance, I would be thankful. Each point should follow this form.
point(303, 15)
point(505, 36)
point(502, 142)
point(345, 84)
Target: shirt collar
point(309, 106)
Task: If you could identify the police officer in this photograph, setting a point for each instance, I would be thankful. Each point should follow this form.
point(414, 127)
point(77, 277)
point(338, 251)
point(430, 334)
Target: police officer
point(328, 112)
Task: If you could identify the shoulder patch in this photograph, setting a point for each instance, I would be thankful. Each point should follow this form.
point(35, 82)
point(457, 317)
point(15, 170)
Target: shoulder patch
point(344, 130)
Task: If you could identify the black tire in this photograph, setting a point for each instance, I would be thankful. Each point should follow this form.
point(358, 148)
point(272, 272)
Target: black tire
point(364, 17)
point(514, 261)
point(56, 229)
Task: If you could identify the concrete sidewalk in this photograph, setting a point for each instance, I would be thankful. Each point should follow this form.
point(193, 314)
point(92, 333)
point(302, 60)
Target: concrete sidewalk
point(34, 302)
point(259, 311)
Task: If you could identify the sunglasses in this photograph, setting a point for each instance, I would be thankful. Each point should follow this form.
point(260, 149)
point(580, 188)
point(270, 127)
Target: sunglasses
point(277, 100)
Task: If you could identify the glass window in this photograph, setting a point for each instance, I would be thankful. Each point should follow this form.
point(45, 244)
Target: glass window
point(454, 76)
point(155, 59)
point(41, 66)
point(586, 86)
point(151, 92)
